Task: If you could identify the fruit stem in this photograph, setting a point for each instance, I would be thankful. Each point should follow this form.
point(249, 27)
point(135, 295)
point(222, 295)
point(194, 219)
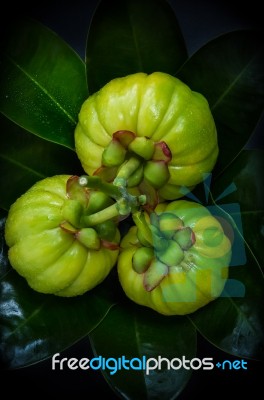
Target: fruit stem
point(101, 216)
point(124, 205)
point(95, 182)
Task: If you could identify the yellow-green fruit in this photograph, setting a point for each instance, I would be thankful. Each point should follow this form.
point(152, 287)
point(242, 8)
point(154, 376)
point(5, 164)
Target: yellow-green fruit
point(53, 255)
point(161, 108)
point(174, 285)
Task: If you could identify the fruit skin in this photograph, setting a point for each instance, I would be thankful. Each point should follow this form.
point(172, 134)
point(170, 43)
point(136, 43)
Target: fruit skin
point(197, 280)
point(51, 259)
point(157, 106)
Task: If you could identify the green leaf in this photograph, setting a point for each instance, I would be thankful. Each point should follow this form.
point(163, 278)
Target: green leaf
point(129, 36)
point(25, 159)
point(245, 175)
point(35, 326)
point(3, 248)
point(43, 83)
point(229, 72)
point(134, 333)
point(234, 323)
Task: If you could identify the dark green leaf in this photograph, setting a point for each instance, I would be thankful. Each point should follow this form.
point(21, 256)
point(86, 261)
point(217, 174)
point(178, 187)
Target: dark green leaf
point(246, 174)
point(129, 36)
point(229, 72)
point(234, 323)
point(135, 333)
point(5, 266)
point(43, 82)
point(25, 159)
point(35, 326)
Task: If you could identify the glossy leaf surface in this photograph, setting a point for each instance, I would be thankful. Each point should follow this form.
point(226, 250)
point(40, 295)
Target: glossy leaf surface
point(35, 326)
point(43, 82)
point(129, 36)
point(229, 72)
point(26, 158)
point(234, 322)
point(138, 333)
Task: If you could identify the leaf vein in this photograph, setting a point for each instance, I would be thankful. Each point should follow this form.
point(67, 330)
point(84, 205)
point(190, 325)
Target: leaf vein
point(23, 166)
point(46, 92)
point(233, 83)
point(134, 36)
point(26, 320)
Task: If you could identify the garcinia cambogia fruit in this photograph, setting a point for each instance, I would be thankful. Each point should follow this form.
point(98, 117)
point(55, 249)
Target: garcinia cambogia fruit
point(174, 260)
point(58, 239)
point(149, 130)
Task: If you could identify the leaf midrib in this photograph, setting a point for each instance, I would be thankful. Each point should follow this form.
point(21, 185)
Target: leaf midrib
point(22, 166)
point(26, 320)
point(45, 91)
point(138, 350)
point(233, 83)
point(135, 40)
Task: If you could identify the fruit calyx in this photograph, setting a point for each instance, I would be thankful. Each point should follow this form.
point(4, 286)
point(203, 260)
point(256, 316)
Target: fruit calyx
point(135, 159)
point(82, 203)
point(163, 244)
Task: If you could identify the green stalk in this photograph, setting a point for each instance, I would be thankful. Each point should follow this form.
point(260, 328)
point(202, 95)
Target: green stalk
point(125, 202)
point(128, 168)
point(95, 182)
point(101, 216)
